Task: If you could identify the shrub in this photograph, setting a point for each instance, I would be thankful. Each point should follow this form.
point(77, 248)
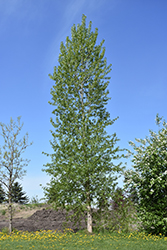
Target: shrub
point(148, 179)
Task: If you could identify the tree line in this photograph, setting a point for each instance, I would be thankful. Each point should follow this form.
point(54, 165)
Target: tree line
point(86, 161)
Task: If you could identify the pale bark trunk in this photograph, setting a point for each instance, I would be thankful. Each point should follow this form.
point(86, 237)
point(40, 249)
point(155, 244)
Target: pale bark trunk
point(10, 193)
point(10, 216)
point(89, 220)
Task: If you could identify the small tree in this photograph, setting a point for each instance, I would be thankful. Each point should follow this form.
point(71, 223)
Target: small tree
point(18, 196)
point(148, 179)
point(2, 194)
point(123, 211)
point(82, 168)
point(34, 200)
point(11, 163)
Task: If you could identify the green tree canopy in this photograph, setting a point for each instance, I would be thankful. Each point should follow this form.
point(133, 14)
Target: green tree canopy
point(148, 179)
point(82, 168)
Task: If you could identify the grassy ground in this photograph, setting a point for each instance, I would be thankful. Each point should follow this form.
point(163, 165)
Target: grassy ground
point(81, 240)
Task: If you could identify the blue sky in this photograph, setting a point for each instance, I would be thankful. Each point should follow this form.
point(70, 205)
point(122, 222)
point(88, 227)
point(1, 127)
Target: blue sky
point(136, 45)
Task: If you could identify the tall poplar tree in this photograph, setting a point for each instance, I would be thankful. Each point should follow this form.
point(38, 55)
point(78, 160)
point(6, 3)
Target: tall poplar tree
point(82, 170)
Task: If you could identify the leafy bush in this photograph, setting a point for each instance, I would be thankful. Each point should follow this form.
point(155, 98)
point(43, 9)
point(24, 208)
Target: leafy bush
point(5, 230)
point(3, 211)
point(148, 179)
point(34, 200)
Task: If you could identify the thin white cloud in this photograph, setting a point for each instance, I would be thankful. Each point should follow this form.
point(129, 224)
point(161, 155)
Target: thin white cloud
point(72, 12)
point(8, 7)
point(19, 10)
point(73, 8)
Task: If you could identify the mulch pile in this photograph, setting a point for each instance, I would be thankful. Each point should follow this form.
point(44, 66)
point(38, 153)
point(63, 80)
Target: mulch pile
point(45, 219)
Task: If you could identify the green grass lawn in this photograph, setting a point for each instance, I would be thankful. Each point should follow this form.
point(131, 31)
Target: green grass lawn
point(81, 240)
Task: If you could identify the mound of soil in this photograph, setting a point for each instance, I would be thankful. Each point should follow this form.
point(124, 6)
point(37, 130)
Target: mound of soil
point(45, 219)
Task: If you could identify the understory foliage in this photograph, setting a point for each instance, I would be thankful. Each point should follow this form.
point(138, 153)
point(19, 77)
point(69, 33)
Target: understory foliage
point(119, 215)
point(123, 211)
point(149, 179)
point(82, 169)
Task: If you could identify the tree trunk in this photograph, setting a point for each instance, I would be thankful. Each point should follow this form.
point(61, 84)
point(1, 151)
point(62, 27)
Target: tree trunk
point(10, 203)
point(10, 216)
point(89, 220)
point(89, 212)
